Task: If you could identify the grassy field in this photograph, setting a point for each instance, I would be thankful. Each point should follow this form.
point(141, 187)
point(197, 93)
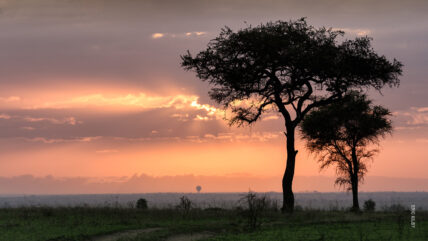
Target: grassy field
point(85, 223)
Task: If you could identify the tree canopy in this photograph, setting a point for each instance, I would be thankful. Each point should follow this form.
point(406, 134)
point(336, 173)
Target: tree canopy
point(341, 130)
point(340, 133)
point(289, 67)
point(287, 63)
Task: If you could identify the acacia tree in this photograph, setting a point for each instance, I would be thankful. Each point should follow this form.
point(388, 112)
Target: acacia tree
point(290, 67)
point(340, 134)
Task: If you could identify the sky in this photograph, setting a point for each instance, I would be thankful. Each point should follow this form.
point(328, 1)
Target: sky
point(94, 89)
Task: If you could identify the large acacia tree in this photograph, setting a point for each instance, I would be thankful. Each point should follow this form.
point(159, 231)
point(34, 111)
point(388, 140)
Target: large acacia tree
point(340, 133)
point(290, 67)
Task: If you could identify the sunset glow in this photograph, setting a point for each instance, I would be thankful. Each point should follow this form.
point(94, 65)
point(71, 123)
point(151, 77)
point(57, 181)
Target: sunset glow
point(94, 90)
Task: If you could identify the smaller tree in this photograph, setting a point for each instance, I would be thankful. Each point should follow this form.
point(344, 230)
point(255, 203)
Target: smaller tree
point(369, 205)
point(340, 134)
point(142, 204)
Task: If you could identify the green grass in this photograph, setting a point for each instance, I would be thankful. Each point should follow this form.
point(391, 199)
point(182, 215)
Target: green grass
point(73, 224)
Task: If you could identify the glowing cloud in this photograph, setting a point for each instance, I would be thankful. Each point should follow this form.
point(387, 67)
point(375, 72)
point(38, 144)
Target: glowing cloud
point(178, 35)
point(211, 110)
point(157, 35)
point(139, 102)
point(5, 116)
point(203, 118)
point(68, 120)
point(10, 99)
point(271, 117)
point(61, 140)
point(357, 31)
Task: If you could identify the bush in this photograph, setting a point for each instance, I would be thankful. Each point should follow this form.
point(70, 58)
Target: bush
point(185, 206)
point(369, 205)
point(142, 204)
point(255, 207)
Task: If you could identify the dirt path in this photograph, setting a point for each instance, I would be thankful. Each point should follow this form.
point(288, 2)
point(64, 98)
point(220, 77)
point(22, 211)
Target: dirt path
point(128, 233)
point(190, 237)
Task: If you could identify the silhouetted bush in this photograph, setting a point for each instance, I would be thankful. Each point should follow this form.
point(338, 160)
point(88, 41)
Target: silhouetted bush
point(369, 205)
point(142, 204)
point(184, 206)
point(255, 207)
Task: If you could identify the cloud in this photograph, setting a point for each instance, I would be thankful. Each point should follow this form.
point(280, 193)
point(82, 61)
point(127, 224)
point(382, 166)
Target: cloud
point(28, 128)
point(61, 140)
point(132, 116)
point(259, 136)
point(210, 109)
point(271, 117)
point(178, 35)
point(201, 118)
point(5, 116)
point(415, 116)
point(422, 109)
point(356, 31)
point(188, 34)
point(157, 35)
point(141, 100)
point(181, 116)
point(67, 120)
point(10, 99)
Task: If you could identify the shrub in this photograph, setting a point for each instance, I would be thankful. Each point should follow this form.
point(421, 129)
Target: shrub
point(369, 205)
point(255, 207)
point(185, 206)
point(142, 204)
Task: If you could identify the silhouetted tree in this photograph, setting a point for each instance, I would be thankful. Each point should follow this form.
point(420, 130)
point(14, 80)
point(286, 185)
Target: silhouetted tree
point(290, 67)
point(142, 204)
point(340, 134)
point(369, 205)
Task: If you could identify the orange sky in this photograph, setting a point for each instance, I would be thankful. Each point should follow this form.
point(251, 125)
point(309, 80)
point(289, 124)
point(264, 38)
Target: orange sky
point(96, 90)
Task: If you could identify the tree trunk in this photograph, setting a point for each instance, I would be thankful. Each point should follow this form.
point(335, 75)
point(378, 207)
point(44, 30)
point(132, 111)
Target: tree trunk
point(287, 180)
point(354, 181)
point(355, 204)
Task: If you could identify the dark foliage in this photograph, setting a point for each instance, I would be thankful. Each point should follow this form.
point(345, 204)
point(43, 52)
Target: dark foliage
point(142, 204)
point(369, 205)
point(340, 134)
point(290, 68)
point(254, 208)
point(185, 206)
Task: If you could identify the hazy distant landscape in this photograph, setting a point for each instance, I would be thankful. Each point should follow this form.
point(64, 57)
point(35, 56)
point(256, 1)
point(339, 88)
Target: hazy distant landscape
point(309, 200)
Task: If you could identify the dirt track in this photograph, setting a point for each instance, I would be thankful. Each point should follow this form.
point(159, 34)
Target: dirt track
point(128, 233)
